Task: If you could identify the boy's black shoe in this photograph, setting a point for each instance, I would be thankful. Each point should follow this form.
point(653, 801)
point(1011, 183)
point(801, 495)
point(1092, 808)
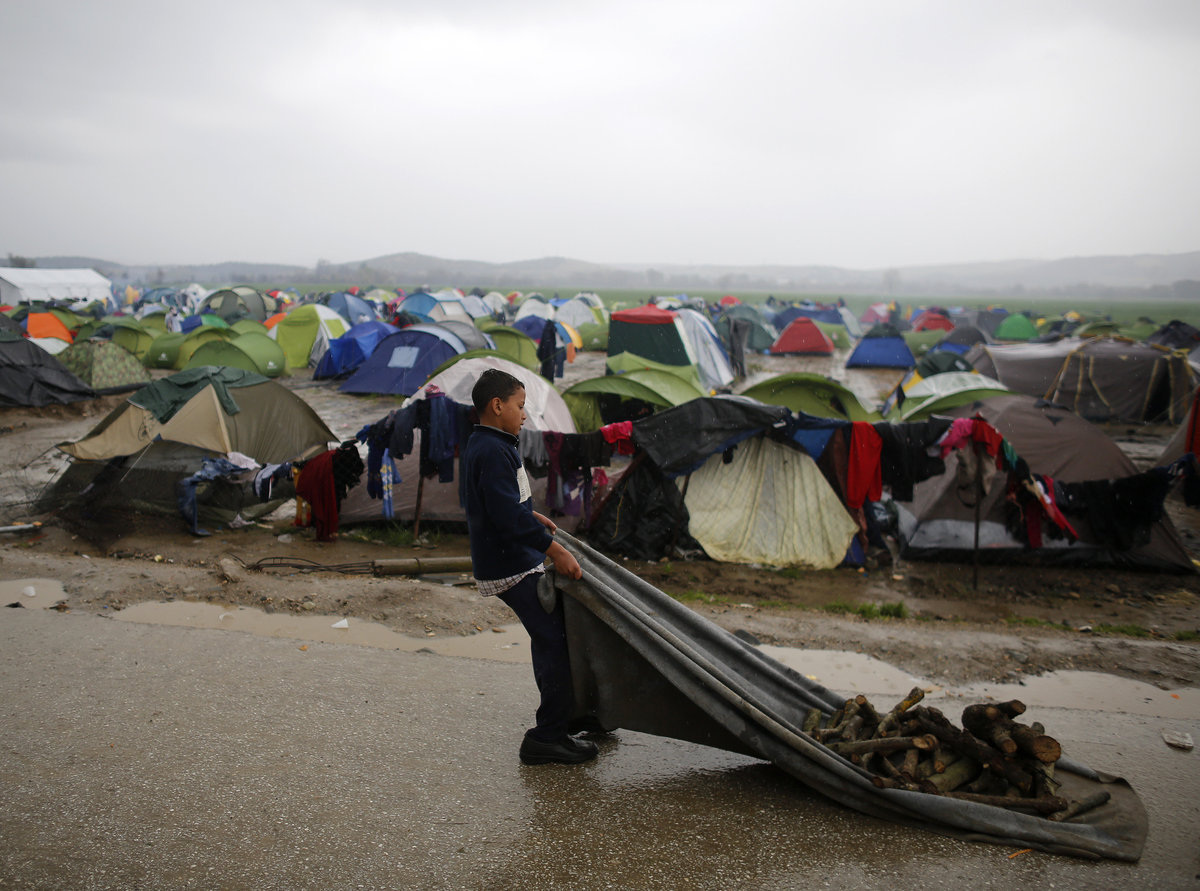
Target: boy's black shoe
point(567, 750)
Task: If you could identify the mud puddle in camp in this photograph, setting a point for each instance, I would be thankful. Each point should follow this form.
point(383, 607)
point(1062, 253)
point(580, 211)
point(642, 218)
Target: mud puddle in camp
point(839, 670)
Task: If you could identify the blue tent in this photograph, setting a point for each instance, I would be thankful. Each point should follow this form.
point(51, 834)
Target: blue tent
point(349, 351)
point(403, 361)
point(532, 327)
point(353, 309)
point(881, 347)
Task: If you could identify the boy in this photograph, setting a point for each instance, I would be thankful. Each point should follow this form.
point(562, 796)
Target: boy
point(509, 544)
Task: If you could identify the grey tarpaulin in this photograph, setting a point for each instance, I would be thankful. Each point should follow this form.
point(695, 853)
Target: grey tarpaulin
point(642, 661)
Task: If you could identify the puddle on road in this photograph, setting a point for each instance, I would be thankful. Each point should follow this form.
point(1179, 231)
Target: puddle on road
point(32, 593)
point(510, 645)
point(838, 670)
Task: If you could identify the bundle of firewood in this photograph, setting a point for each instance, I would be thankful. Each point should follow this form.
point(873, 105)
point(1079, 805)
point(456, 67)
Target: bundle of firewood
point(992, 760)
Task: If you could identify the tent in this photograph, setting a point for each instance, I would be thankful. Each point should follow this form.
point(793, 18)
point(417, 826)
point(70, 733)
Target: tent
point(353, 309)
point(1103, 379)
point(1016, 327)
point(942, 392)
point(932, 321)
point(921, 342)
point(625, 362)
point(811, 394)
point(161, 434)
point(249, 352)
point(305, 333)
point(242, 302)
point(21, 285)
point(544, 409)
point(711, 359)
point(962, 338)
point(1176, 335)
point(48, 324)
point(163, 351)
point(623, 397)
point(939, 522)
point(104, 366)
point(583, 309)
point(29, 376)
point(682, 338)
point(881, 347)
point(403, 361)
point(761, 335)
point(802, 336)
point(939, 362)
point(535, 305)
point(195, 339)
point(248, 326)
point(515, 345)
point(433, 309)
point(204, 320)
point(350, 350)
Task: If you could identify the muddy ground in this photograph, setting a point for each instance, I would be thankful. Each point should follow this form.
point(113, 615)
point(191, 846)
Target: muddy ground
point(1018, 621)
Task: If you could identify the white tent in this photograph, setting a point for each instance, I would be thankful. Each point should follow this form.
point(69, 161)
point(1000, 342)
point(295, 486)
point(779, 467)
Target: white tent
point(18, 285)
point(544, 409)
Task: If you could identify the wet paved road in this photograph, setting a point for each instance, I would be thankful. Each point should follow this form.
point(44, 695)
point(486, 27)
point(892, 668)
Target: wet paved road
point(149, 756)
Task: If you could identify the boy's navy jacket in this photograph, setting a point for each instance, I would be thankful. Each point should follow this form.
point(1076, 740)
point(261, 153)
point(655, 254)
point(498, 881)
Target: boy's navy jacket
point(506, 538)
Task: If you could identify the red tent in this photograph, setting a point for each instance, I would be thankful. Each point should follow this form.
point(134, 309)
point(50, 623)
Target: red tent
point(729, 300)
point(803, 336)
point(645, 315)
point(932, 321)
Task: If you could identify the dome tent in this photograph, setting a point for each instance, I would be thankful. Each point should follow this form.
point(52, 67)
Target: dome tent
point(104, 366)
point(249, 352)
point(161, 434)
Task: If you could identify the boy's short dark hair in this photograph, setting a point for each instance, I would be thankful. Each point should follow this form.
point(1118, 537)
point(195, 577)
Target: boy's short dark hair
point(493, 383)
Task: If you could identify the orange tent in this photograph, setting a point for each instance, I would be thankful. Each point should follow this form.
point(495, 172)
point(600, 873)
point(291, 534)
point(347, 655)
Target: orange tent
point(274, 320)
point(44, 324)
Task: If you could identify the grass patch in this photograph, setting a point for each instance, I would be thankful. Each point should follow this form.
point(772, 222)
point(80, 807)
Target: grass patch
point(868, 611)
point(1125, 630)
point(666, 568)
point(791, 572)
point(1030, 621)
point(392, 535)
point(1187, 635)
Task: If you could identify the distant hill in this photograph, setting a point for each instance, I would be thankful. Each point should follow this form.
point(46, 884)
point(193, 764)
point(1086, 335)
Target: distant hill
point(1080, 275)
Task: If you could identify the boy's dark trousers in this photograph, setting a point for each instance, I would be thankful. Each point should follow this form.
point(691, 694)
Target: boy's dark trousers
point(551, 661)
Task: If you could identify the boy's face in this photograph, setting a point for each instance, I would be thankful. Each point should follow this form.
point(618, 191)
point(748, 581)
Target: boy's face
point(510, 412)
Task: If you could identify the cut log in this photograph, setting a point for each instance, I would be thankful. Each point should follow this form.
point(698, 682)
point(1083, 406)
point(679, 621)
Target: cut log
point(1014, 708)
point(870, 716)
point(957, 774)
point(884, 746)
point(911, 760)
point(812, 721)
point(989, 723)
point(1044, 748)
point(1075, 808)
point(892, 718)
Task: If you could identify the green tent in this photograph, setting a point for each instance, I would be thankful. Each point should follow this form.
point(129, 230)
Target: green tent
point(617, 397)
point(762, 335)
point(837, 333)
point(306, 329)
point(250, 326)
point(209, 320)
point(1101, 329)
point(921, 342)
point(196, 339)
point(945, 391)
point(163, 351)
point(1139, 330)
point(941, 361)
point(242, 302)
point(250, 352)
point(812, 394)
point(104, 366)
point(1016, 327)
point(125, 331)
point(626, 362)
point(514, 344)
point(154, 322)
point(594, 335)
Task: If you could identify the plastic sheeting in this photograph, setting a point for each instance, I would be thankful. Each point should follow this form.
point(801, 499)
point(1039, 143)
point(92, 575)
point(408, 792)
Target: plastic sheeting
point(641, 661)
point(769, 505)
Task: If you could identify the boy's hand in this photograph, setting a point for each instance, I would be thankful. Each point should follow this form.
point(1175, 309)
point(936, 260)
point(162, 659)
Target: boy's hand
point(565, 563)
point(545, 521)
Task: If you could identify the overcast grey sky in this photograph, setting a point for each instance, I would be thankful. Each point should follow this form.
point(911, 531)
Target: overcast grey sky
point(866, 134)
